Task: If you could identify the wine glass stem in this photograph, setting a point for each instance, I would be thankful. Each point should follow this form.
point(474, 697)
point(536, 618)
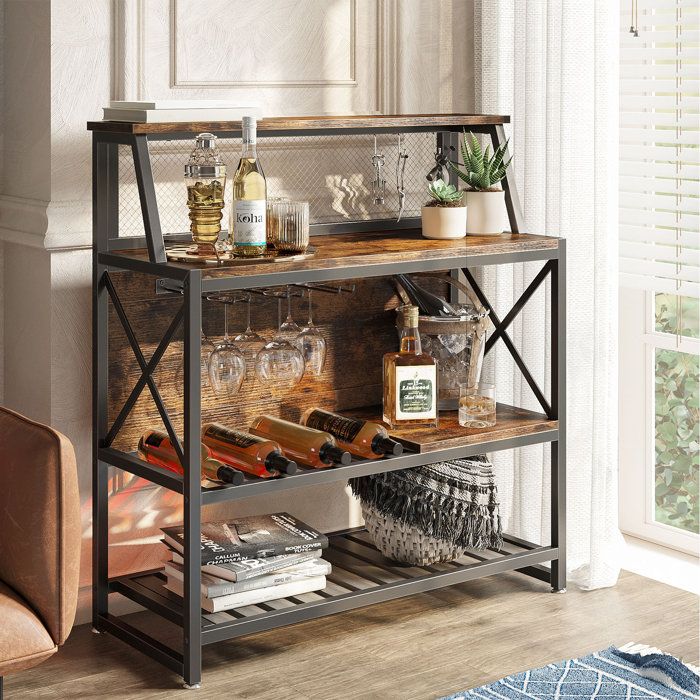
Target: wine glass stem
point(248, 329)
point(225, 321)
point(279, 313)
point(311, 322)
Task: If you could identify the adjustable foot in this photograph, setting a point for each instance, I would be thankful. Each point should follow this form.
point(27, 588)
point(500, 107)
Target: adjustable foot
point(96, 631)
point(558, 590)
point(194, 686)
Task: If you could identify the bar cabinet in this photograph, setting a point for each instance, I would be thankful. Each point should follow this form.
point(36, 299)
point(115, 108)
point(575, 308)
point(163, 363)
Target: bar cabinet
point(132, 275)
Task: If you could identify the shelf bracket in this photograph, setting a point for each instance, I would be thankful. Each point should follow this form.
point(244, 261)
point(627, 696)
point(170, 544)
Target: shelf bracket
point(147, 369)
point(502, 326)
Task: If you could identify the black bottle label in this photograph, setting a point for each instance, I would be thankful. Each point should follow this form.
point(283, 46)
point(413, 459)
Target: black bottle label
point(340, 427)
point(236, 438)
point(154, 439)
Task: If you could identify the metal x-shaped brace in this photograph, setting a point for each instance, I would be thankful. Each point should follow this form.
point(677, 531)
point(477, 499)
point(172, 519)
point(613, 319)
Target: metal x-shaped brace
point(501, 328)
point(147, 369)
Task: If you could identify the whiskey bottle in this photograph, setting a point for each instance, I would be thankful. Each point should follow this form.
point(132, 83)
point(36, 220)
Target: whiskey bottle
point(361, 438)
point(248, 228)
point(155, 447)
point(314, 448)
point(250, 453)
point(410, 379)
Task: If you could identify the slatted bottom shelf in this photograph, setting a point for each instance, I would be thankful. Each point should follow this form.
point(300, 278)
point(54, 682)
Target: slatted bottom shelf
point(361, 576)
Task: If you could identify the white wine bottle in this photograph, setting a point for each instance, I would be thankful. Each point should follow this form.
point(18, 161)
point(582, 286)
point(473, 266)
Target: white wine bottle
point(247, 229)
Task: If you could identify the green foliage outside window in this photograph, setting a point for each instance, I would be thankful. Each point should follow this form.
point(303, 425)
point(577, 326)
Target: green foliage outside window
point(677, 420)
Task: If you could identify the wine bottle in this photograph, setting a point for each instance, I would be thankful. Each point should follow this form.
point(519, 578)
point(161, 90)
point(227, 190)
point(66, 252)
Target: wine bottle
point(313, 448)
point(410, 379)
point(361, 438)
point(248, 228)
point(155, 447)
point(250, 453)
point(428, 303)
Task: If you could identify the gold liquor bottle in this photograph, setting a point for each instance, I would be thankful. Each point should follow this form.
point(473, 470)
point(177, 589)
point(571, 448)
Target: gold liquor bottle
point(410, 379)
point(155, 447)
point(361, 438)
point(312, 448)
point(248, 213)
point(249, 453)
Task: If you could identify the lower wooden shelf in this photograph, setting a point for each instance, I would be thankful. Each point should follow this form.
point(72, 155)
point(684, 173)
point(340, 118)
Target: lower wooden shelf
point(361, 576)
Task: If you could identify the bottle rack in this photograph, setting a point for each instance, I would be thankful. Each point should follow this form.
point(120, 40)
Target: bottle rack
point(361, 575)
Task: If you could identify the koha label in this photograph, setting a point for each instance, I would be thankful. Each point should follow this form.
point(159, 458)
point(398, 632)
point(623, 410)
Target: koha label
point(249, 222)
point(415, 392)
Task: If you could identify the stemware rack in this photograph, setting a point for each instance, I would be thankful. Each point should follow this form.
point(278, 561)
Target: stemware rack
point(138, 295)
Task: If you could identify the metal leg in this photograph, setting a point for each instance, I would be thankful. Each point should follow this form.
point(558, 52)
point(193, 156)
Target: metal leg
point(104, 205)
point(0, 687)
point(192, 618)
point(558, 330)
point(149, 204)
point(515, 212)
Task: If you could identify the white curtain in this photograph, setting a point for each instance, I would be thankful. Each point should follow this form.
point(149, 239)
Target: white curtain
point(552, 65)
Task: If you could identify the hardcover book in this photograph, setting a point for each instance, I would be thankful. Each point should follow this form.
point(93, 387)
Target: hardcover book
point(214, 587)
point(262, 595)
point(252, 537)
point(251, 568)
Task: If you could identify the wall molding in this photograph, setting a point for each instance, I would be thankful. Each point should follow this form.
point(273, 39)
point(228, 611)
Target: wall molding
point(177, 82)
point(388, 56)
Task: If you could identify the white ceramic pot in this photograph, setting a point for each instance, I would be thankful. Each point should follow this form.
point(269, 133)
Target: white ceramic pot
point(444, 222)
point(485, 213)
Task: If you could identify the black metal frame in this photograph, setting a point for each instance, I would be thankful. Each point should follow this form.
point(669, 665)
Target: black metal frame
point(105, 225)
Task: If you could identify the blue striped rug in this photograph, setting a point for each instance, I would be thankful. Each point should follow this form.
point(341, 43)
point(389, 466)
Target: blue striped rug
point(631, 672)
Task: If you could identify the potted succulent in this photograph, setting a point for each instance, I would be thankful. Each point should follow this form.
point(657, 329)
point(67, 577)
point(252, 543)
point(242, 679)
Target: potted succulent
point(445, 215)
point(482, 172)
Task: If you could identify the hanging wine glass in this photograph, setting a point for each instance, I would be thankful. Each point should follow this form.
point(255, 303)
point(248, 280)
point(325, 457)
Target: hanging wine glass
point(226, 364)
point(179, 379)
point(249, 341)
point(288, 330)
point(279, 360)
point(312, 345)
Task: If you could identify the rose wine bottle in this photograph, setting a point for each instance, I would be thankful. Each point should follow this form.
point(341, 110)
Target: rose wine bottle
point(249, 453)
point(155, 447)
point(248, 213)
point(429, 304)
point(313, 448)
point(361, 438)
point(410, 379)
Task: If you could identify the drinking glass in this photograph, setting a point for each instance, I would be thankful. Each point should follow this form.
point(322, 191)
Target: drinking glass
point(477, 405)
point(288, 330)
point(279, 360)
point(249, 342)
point(226, 365)
point(292, 226)
point(207, 349)
point(312, 345)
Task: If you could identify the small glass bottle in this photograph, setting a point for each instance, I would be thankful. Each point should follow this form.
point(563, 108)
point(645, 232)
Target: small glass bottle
point(410, 379)
point(247, 452)
point(248, 213)
point(361, 438)
point(205, 178)
point(155, 447)
point(312, 448)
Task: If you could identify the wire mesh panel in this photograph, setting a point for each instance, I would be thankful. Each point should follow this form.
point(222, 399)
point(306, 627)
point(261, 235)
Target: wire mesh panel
point(333, 173)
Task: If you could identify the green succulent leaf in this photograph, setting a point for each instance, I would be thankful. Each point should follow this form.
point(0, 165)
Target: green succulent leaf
point(481, 169)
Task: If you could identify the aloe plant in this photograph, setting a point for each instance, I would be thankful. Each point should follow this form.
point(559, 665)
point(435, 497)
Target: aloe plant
point(481, 170)
point(444, 195)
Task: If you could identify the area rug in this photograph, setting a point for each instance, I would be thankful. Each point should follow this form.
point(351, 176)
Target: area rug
point(631, 672)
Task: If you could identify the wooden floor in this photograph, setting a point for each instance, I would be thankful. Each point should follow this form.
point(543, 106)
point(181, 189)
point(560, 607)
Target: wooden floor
point(425, 646)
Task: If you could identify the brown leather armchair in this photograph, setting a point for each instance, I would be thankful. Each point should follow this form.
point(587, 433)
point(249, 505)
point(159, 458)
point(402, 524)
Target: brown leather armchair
point(39, 542)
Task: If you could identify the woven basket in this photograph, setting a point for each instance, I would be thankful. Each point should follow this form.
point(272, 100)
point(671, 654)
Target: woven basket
point(404, 543)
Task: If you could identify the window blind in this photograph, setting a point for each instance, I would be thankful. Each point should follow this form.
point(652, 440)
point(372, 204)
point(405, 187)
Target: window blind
point(660, 147)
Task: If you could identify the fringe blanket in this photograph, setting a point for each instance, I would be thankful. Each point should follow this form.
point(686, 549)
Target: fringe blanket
point(456, 501)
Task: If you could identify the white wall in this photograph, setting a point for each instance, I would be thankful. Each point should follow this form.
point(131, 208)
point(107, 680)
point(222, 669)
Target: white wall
point(62, 60)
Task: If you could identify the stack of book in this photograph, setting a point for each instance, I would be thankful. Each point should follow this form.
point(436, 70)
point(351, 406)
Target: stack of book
point(251, 560)
point(163, 111)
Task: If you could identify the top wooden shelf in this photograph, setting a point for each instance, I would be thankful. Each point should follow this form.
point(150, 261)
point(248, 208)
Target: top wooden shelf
point(321, 123)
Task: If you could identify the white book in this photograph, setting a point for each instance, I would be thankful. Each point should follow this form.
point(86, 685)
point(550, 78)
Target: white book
point(176, 104)
point(161, 116)
point(214, 587)
point(261, 595)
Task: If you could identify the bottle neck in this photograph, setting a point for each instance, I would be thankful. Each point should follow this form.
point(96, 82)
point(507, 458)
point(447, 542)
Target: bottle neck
point(249, 144)
point(410, 341)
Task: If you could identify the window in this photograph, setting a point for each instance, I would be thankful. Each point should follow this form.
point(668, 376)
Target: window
point(660, 272)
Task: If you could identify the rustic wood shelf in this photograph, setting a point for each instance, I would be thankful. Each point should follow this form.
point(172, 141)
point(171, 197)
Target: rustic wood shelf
point(140, 297)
